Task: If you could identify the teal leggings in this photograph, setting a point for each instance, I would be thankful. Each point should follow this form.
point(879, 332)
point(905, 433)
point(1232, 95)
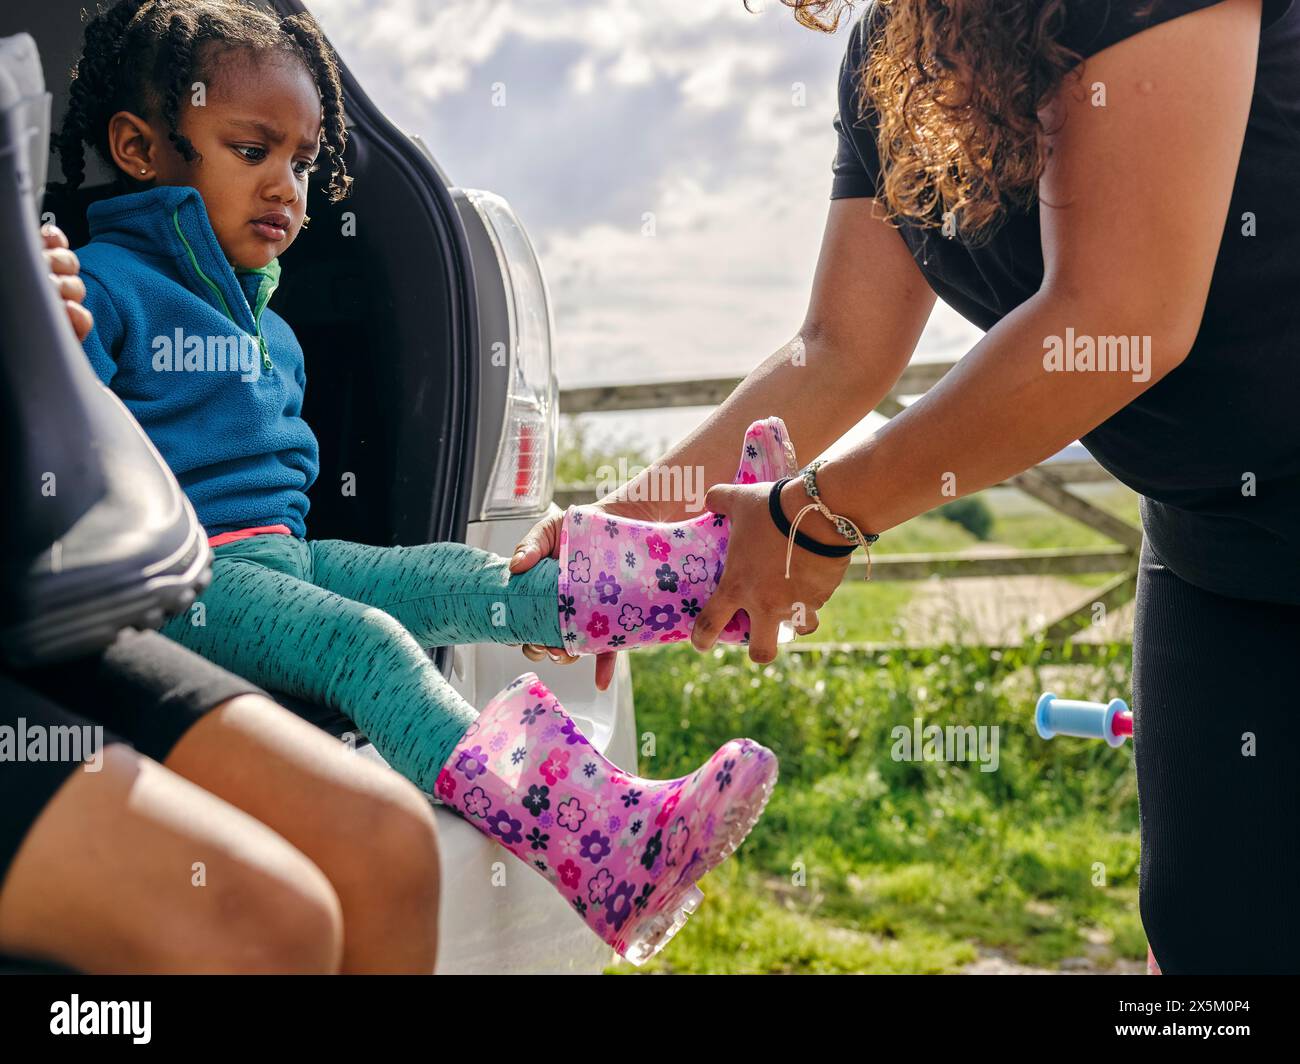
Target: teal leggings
point(346, 625)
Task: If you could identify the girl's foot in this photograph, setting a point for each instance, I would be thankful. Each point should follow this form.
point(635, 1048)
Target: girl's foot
point(627, 583)
point(624, 851)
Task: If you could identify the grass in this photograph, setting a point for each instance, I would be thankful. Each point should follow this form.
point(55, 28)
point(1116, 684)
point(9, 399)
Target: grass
point(867, 863)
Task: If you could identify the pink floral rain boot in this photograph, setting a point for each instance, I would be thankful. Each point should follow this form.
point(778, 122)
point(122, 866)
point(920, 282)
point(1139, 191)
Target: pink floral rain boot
point(627, 583)
point(625, 852)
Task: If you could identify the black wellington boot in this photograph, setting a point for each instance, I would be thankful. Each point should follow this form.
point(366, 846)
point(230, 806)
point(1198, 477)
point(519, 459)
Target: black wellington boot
point(97, 535)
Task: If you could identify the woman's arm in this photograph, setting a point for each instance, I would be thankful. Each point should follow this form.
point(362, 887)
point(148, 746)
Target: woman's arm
point(868, 307)
point(1133, 206)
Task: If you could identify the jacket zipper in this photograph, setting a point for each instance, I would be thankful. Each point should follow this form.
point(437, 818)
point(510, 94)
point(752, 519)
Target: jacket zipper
point(264, 293)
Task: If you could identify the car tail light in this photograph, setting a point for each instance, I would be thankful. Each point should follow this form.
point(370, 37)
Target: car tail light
point(523, 475)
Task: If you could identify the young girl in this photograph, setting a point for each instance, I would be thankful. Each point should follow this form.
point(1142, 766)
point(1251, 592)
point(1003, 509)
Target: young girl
point(213, 114)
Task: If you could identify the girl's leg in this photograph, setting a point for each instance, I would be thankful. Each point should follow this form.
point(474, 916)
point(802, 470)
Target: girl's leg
point(288, 635)
point(445, 593)
point(131, 868)
point(448, 593)
point(1215, 741)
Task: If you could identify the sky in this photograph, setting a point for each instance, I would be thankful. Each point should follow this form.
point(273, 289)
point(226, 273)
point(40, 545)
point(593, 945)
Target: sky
point(669, 158)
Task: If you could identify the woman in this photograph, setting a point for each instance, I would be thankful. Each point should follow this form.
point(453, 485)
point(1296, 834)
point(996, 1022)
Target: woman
point(213, 831)
point(1148, 196)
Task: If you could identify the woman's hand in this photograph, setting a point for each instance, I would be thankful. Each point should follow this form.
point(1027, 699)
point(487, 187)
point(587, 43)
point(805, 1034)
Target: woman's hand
point(543, 541)
point(64, 267)
point(754, 579)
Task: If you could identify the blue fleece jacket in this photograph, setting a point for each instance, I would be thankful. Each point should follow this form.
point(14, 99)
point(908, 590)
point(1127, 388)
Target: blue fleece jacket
point(186, 340)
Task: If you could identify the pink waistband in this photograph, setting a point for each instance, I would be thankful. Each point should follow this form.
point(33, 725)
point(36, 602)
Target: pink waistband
point(248, 533)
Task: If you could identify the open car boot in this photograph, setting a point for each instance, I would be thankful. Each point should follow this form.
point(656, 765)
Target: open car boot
point(98, 536)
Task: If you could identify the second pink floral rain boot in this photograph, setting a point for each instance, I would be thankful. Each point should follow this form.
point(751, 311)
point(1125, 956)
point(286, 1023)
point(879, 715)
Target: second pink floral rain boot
point(625, 852)
point(626, 583)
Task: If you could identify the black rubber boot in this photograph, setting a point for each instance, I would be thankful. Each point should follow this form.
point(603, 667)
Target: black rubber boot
point(98, 536)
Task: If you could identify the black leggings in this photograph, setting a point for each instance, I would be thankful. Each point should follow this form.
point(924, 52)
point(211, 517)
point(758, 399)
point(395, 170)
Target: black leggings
point(143, 690)
point(1216, 735)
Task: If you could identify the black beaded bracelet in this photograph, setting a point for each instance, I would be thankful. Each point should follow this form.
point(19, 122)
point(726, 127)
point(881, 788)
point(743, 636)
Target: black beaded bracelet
point(826, 550)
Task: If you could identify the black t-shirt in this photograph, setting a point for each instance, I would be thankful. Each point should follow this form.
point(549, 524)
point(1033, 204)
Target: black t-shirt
point(1233, 406)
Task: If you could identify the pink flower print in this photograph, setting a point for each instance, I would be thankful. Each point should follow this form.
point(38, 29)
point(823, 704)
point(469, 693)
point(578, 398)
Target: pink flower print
point(570, 874)
point(539, 690)
point(555, 767)
point(736, 623)
point(568, 845)
point(746, 477)
point(598, 626)
point(445, 785)
point(631, 618)
point(658, 548)
point(667, 811)
point(695, 568)
point(598, 885)
point(477, 803)
point(497, 742)
point(580, 568)
point(672, 637)
point(571, 814)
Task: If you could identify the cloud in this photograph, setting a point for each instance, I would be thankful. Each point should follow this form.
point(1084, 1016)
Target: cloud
point(671, 161)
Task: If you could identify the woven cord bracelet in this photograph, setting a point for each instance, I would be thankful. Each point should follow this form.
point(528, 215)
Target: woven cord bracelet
point(843, 525)
point(793, 535)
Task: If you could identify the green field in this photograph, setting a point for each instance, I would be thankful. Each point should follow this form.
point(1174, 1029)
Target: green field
point(864, 863)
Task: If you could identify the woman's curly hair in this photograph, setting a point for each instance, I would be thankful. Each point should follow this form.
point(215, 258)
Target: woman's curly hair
point(144, 56)
point(957, 86)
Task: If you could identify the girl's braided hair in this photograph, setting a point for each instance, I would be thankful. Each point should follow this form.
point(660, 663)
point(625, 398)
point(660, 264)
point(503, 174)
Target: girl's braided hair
point(144, 56)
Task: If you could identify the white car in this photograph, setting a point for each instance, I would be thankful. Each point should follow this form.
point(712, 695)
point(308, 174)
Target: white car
point(427, 328)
